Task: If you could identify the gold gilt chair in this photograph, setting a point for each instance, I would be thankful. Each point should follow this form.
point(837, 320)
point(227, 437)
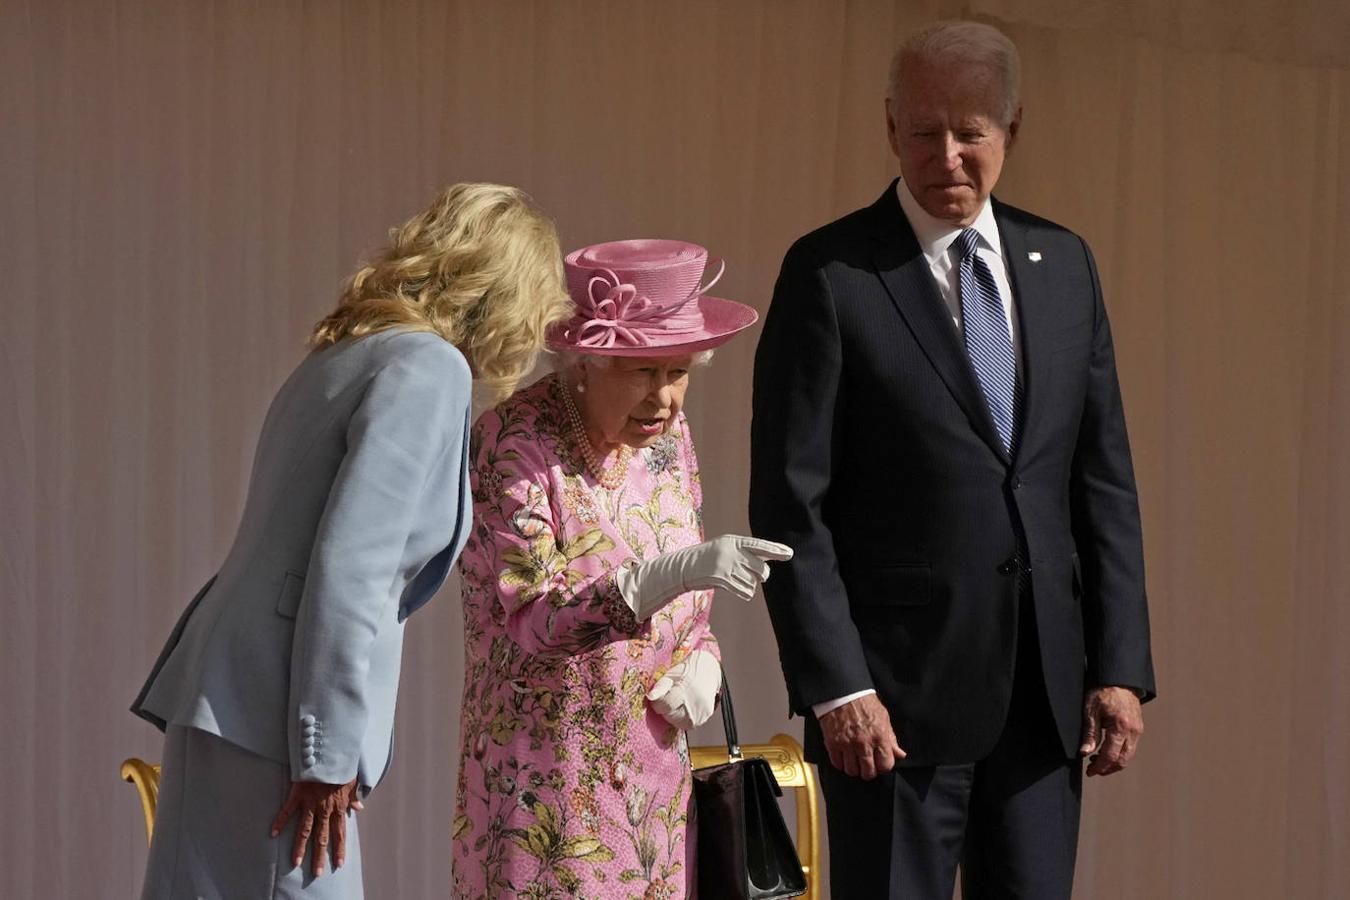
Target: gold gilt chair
point(146, 778)
point(784, 756)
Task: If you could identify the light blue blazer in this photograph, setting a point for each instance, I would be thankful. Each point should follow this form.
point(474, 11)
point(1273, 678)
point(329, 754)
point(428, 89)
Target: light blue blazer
point(357, 506)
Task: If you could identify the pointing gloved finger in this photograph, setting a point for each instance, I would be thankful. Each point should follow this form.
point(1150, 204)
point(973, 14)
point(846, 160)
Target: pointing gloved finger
point(768, 549)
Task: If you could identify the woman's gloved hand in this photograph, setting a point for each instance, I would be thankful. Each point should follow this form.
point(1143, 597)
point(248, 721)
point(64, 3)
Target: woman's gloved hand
point(687, 694)
point(731, 563)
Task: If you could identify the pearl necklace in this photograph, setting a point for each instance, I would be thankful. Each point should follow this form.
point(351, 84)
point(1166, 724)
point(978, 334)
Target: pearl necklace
point(615, 475)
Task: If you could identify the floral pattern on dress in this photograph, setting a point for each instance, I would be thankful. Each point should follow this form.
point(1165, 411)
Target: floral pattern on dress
point(569, 784)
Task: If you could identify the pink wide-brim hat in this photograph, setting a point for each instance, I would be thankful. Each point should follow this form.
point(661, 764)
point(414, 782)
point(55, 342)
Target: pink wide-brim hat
point(645, 298)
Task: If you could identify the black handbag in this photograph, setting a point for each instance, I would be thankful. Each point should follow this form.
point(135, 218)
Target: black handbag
point(744, 849)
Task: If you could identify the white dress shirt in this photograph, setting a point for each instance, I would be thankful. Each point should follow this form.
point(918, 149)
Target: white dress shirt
point(935, 240)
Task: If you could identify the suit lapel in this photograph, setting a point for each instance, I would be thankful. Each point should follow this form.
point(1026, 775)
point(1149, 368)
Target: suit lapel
point(1029, 273)
point(909, 282)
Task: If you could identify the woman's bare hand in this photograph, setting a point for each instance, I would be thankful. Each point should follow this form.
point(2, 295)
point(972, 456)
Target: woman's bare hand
point(322, 810)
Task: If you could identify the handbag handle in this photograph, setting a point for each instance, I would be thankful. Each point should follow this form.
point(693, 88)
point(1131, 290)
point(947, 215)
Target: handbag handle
point(729, 721)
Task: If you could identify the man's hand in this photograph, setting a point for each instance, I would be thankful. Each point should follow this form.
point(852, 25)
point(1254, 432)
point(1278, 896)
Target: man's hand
point(859, 738)
point(1112, 724)
point(323, 815)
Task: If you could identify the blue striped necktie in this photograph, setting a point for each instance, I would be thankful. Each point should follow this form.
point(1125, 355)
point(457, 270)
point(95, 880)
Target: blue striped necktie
point(988, 342)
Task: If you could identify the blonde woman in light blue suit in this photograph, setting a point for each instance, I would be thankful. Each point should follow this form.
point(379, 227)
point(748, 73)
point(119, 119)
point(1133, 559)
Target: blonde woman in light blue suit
point(276, 688)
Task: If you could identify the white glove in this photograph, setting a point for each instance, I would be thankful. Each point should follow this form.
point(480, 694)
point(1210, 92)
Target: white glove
point(687, 694)
point(732, 563)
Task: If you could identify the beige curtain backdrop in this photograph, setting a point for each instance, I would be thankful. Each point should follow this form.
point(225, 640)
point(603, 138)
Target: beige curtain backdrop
point(184, 183)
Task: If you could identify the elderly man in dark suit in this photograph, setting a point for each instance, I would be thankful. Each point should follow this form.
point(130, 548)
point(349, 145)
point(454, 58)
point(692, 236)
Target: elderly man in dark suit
point(938, 432)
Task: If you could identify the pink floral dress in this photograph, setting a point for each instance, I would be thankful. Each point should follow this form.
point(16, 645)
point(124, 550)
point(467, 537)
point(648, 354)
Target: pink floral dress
point(569, 784)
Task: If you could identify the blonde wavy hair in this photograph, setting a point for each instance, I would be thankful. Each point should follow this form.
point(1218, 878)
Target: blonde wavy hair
point(481, 267)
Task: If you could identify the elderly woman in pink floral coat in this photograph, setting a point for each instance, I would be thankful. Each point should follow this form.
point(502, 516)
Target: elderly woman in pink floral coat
point(587, 590)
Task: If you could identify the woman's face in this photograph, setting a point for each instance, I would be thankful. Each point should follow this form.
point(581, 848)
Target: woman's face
point(633, 400)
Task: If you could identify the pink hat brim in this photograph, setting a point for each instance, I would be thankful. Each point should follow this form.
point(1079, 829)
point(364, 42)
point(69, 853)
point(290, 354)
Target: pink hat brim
point(722, 319)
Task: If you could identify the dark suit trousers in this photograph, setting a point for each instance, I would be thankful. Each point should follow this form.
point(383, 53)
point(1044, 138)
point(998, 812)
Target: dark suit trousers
point(1010, 820)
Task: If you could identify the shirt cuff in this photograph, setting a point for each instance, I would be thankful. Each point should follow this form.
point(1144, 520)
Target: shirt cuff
point(1137, 691)
point(821, 709)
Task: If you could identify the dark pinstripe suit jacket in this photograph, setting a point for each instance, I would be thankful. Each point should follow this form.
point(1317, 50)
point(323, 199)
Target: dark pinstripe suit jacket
point(874, 456)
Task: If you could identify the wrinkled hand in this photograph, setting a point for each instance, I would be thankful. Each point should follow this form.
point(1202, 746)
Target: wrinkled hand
point(859, 738)
point(1113, 722)
point(687, 694)
point(322, 809)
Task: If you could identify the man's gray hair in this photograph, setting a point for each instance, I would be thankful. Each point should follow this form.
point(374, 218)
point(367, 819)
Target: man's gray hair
point(962, 43)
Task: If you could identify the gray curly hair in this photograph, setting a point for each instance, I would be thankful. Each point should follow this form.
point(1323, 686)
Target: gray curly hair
point(562, 360)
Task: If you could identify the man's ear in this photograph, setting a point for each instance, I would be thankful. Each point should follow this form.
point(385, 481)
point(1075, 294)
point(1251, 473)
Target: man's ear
point(891, 126)
point(1013, 128)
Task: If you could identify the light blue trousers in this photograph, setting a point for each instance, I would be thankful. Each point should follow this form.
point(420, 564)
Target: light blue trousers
point(212, 838)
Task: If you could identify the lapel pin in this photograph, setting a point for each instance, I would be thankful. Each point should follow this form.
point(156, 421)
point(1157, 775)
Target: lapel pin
point(1034, 256)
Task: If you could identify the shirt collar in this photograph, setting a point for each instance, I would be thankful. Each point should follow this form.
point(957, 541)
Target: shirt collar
point(935, 235)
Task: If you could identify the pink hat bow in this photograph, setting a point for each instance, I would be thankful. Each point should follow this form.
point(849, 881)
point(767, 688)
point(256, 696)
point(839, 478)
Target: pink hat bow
point(624, 317)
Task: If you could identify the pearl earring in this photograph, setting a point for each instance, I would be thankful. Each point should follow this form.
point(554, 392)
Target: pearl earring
point(581, 388)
